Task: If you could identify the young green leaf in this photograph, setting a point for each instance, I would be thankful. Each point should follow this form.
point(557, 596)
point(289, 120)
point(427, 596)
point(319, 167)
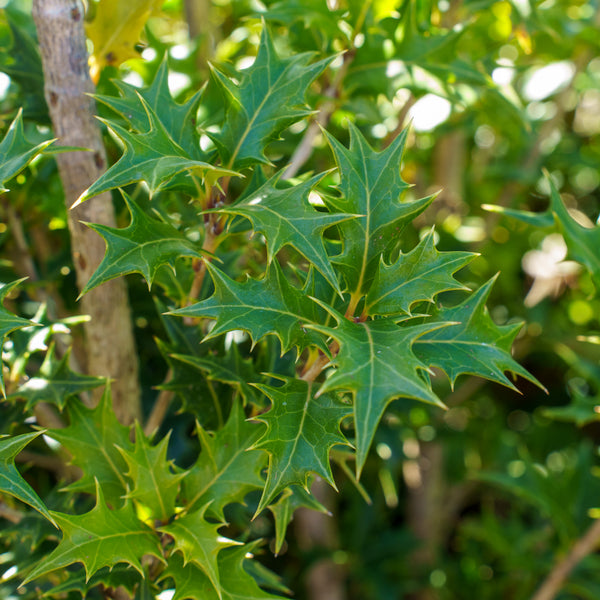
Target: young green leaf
point(143, 247)
point(286, 218)
point(152, 156)
point(99, 538)
point(269, 98)
point(419, 275)
point(377, 363)
point(472, 343)
point(11, 481)
point(55, 382)
point(270, 305)
point(154, 484)
point(371, 187)
point(92, 438)
point(199, 542)
point(16, 152)
point(225, 470)
point(301, 429)
point(9, 322)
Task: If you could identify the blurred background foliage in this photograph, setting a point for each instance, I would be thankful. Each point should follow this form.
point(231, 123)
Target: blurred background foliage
point(480, 500)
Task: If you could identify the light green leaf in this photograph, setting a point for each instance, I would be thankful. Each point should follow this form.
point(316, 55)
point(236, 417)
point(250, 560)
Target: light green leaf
point(371, 187)
point(270, 305)
point(55, 382)
point(143, 247)
point(199, 542)
point(152, 156)
point(11, 481)
point(16, 152)
point(226, 469)
point(301, 429)
point(92, 438)
point(286, 218)
point(419, 275)
point(9, 322)
point(154, 484)
point(99, 538)
point(376, 362)
point(472, 343)
point(269, 98)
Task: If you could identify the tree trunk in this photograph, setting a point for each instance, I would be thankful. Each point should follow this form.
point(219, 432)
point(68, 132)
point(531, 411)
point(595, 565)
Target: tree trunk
point(110, 346)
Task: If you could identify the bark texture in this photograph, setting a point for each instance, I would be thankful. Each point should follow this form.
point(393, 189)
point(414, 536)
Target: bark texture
point(110, 346)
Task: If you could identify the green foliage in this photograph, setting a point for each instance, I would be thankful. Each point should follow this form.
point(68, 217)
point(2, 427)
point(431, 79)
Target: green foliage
point(315, 343)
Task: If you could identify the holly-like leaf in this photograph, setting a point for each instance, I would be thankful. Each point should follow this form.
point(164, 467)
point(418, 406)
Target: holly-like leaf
point(152, 156)
point(226, 469)
point(100, 538)
point(269, 98)
point(92, 438)
point(55, 382)
point(11, 481)
point(283, 510)
point(199, 542)
point(16, 152)
point(121, 575)
point(270, 305)
point(286, 218)
point(377, 363)
point(154, 484)
point(371, 187)
point(143, 247)
point(301, 429)
point(115, 30)
point(8, 321)
point(178, 119)
point(236, 583)
point(472, 343)
point(419, 275)
point(230, 368)
point(582, 410)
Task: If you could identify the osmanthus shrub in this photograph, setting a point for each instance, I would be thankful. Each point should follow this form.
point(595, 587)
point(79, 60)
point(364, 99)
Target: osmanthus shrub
point(340, 318)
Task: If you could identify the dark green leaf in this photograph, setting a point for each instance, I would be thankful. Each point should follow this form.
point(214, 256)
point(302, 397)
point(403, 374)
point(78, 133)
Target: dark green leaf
point(269, 98)
point(301, 429)
point(143, 247)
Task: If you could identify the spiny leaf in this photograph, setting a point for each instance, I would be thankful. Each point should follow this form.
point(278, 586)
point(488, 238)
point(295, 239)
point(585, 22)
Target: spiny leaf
point(270, 305)
point(99, 538)
point(371, 186)
point(178, 119)
point(92, 438)
point(473, 344)
point(55, 382)
point(269, 98)
point(143, 247)
point(225, 470)
point(236, 584)
point(116, 29)
point(199, 542)
point(376, 362)
point(120, 575)
point(152, 156)
point(16, 152)
point(301, 429)
point(285, 217)
point(419, 275)
point(11, 481)
point(154, 484)
point(231, 369)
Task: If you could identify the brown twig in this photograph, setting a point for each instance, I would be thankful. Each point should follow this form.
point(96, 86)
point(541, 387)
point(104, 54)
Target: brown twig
point(10, 514)
point(160, 408)
point(583, 546)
